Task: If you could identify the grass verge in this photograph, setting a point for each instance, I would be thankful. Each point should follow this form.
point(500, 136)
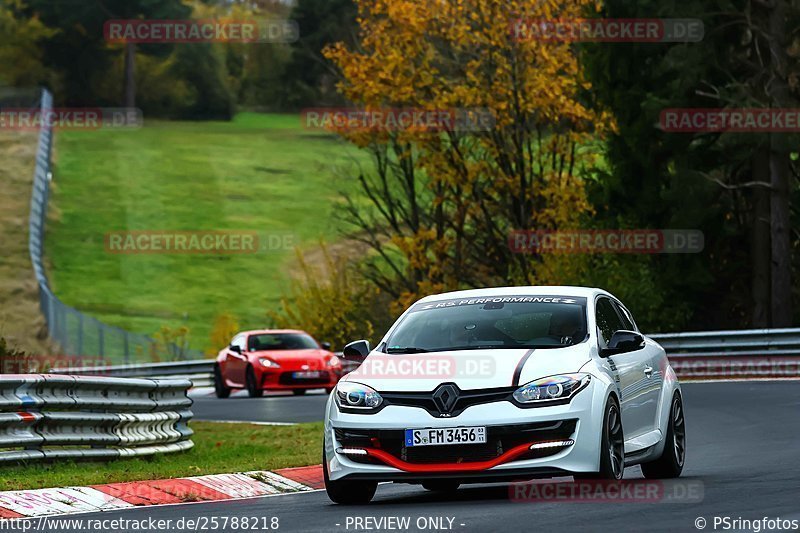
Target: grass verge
point(21, 323)
point(260, 173)
point(219, 448)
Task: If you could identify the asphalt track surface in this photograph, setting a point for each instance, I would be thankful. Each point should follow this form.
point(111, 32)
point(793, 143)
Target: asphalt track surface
point(743, 448)
point(273, 407)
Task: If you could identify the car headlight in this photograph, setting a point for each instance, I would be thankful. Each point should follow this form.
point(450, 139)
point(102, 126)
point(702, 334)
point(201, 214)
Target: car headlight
point(268, 363)
point(357, 396)
point(334, 361)
point(552, 388)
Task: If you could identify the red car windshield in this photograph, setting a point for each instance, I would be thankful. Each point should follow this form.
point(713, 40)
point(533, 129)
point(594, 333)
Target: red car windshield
point(281, 341)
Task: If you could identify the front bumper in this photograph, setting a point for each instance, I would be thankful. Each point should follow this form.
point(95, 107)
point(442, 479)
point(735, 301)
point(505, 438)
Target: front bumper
point(507, 455)
point(283, 379)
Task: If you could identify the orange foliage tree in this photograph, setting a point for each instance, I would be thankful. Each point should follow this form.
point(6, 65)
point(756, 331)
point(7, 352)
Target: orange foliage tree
point(440, 204)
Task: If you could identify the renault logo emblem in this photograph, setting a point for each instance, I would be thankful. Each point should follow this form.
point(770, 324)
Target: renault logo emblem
point(445, 397)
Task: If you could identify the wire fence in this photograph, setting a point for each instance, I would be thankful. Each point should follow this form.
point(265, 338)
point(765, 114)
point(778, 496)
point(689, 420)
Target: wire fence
point(76, 333)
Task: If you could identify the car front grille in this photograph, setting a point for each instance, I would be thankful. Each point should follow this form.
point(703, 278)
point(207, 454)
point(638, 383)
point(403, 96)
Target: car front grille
point(499, 439)
point(466, 398)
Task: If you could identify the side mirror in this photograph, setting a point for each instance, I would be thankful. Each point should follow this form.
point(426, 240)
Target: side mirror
point(325, 346)
point(356, 351)
point(235, 348)
point(623, 341)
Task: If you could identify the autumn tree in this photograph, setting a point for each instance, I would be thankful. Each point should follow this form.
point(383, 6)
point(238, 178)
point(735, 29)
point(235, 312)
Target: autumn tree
point(20, 47)
point(438, 206)
point(327, 299)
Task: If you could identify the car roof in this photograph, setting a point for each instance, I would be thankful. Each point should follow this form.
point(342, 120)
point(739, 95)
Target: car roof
point(532, 290)
point(270, 331)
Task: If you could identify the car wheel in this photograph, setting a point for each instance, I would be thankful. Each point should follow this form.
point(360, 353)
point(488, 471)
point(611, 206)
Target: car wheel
point(347, 492)
point(253, 390)
point(612, 446)
point(670, 464)
point(220, 388)
point(443, 485)
point(299, 392)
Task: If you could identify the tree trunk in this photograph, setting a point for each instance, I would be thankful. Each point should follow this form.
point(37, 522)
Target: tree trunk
point(130, 75)
point(760, 251)
point(781, 278)
point(780, 173)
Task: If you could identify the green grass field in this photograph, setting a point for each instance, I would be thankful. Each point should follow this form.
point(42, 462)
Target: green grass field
point(219, 448)
point(262, 173)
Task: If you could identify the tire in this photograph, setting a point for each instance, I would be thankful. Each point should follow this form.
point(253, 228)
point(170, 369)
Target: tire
point(612, 446)
point(347, 492)
point(441, 485)
point(670, 464)
point(298, 392)
point(222, 390)
point(253, 390)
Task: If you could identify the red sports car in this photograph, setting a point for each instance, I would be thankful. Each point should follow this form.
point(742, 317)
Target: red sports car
point(275, 359)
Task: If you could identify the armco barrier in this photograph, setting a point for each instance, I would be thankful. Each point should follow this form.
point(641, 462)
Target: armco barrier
point(756, 353)
point(48, 416)
point(200, 373)
point(736, 354)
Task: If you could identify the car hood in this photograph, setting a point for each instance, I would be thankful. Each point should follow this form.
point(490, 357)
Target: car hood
point(468, 369)
point(304, 356)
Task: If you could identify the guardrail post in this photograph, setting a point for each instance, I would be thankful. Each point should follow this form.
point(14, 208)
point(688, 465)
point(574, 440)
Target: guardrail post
point(127, 346)
point(80, 334)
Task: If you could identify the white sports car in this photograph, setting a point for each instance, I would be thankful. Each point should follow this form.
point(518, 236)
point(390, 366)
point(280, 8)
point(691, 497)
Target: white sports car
point(503, 384)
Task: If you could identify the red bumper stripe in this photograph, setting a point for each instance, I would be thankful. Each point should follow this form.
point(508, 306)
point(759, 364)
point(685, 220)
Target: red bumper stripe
point(391, 460)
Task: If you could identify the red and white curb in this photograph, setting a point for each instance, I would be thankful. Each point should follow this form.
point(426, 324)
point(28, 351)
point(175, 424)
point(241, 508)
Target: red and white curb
point(115, 496)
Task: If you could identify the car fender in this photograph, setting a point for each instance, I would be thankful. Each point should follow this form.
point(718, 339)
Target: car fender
point(670, 386)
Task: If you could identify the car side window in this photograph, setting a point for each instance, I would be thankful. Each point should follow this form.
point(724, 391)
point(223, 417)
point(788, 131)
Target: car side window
point(627, 319)
point(607, 319)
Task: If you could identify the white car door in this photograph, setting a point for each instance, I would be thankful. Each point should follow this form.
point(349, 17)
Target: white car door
point(653, 374)
point(631, 368)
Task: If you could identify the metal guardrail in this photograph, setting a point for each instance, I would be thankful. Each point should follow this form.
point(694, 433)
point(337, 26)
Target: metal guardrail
point(749, 342)
point(200, 373)
point(45, 416)
point(75, 332)
point(708, 348)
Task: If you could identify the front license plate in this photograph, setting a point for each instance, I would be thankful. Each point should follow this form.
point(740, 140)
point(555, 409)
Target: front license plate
point(306, 375)
point(436, 437)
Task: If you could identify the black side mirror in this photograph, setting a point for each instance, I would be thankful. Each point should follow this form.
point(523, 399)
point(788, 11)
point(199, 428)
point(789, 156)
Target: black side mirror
point(235, 348)
point(325, 346)
point(623, 341)
point(356, 350)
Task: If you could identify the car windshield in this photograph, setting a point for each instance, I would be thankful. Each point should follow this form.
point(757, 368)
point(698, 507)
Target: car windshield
point(281, 341)
point(502, 322)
